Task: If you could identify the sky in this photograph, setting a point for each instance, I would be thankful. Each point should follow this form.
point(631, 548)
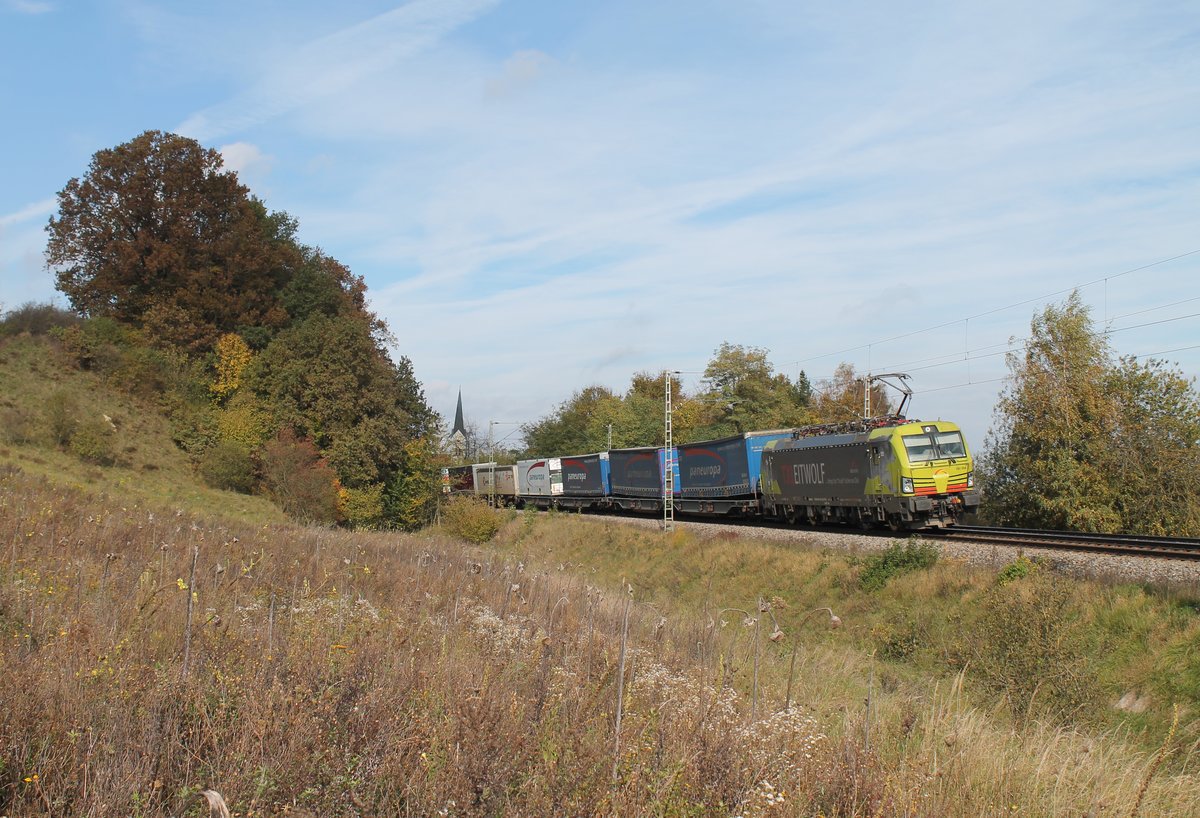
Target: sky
point(542, 196)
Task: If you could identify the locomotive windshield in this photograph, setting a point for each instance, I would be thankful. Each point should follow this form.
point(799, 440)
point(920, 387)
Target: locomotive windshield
point(937, 446)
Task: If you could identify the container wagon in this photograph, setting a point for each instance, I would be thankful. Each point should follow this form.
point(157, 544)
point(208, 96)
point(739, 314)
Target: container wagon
point(722, 476)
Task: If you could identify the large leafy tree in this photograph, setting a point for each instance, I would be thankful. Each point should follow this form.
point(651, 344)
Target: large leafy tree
point(1083, 442)
point(158, 234)
point(330, 380)
point(743, 393)
point(840, 398)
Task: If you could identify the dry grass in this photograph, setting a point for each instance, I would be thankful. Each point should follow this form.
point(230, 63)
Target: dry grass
point(340, 674)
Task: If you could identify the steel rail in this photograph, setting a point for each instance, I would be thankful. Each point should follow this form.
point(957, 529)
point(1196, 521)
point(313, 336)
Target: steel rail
point(1122, 544)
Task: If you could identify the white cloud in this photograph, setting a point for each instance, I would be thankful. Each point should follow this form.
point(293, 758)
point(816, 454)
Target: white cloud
point(29, 6)
point(245, 158)
point(37, 210)
point(336, 63)
point(519, 70)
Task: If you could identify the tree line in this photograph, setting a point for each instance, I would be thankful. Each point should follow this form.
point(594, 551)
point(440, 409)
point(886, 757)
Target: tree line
point(1082, 439)
point(741, 391)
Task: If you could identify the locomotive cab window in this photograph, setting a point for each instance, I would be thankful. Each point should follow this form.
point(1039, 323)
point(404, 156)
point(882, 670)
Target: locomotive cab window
point(950, 444)
point(935, 446)
point(920, 448)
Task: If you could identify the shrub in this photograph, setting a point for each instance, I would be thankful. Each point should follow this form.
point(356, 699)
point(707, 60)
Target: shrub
point(95, 344)
point(93, 442)
point(61, 418)
point(36, 319)
point(299, 480)
point(16, 425)
point(470, 519)
point(194, 427)
point(1031, 646)
point(362, 508)
point(142, 371)
point(245, 421)
point(1019, 568)
point(899, 558)
point(229, 466)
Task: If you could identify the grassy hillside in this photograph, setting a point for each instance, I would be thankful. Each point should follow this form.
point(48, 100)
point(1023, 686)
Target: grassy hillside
point(44, 398)
point(299, 671)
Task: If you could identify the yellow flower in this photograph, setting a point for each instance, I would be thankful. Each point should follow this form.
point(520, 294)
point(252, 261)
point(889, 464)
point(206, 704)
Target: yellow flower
point(182, 585)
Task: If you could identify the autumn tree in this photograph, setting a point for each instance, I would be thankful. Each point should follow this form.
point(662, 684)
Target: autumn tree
point(1085, 443)
point(840, 398)
point(1156, 458)
point(157, 234)
point(743, 393)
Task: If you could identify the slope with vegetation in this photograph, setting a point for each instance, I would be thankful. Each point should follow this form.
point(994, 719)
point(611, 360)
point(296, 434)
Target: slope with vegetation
point(574, 667)
point(195, 299)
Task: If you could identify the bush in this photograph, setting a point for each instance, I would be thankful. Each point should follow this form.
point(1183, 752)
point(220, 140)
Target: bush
point(470, 519)
point(899, 558)
point(61, 418)
point(363, 507)
point(95, 344)
point(1019, 568)
point(16, 425)
point(228, 466)
point(1031, 646)
point(93, 442)
point(194, 427)
point(299, 480)
point(36, 319)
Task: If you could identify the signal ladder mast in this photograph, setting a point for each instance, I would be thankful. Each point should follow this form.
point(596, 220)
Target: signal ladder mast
point(668, 459)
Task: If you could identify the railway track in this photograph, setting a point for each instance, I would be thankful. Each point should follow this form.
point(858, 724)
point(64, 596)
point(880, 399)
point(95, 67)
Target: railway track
point(1119, 544)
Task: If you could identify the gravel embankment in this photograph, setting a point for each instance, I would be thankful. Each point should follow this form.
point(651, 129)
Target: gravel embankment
point(1084, 565)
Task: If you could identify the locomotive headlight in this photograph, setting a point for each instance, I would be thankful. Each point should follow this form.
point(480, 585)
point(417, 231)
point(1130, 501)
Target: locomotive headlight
point(970, 479)
point(906, 485)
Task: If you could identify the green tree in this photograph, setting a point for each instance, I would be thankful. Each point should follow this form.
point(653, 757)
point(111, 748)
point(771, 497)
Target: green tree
point(331, 380)
point(1082, 442)
point(743, 393)
point(579, 425)
point(157, 234)
point(410, 500)
point(1156, 455)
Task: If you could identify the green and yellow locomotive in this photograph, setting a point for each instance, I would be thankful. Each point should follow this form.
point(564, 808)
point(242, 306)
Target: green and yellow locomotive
point(894, 472)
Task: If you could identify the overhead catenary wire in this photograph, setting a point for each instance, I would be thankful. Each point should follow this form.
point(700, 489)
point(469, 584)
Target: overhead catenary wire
point(997, 309)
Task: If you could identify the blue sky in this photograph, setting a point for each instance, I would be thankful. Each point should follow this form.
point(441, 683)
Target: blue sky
point(545, 195)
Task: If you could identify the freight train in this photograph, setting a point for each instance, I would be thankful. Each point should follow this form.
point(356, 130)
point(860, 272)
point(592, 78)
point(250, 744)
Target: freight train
point(883, 472)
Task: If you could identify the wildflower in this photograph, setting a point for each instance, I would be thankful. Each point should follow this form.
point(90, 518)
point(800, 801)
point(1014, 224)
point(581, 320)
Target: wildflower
point(183, 586)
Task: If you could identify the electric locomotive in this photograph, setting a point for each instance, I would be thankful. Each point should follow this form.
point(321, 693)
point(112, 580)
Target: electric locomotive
point(895, 472)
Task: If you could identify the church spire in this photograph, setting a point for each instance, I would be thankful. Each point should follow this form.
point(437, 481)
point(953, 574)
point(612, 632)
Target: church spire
point(459, 426)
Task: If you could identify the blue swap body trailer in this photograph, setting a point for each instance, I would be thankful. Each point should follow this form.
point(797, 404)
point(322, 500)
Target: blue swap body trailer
point(586, 482)
point(721, 477)
point(636, 476)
